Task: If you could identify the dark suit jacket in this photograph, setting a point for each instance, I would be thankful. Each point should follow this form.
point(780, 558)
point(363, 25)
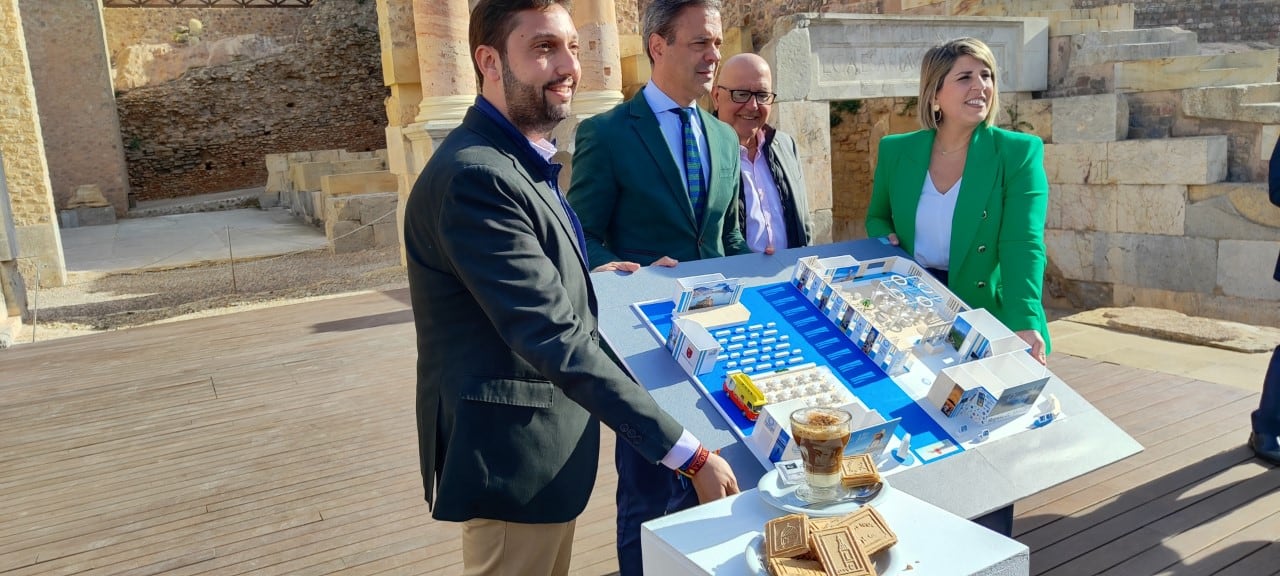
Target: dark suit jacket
point(997, 234)
point(1273, 185)
point(631, 196)
point(511, 375)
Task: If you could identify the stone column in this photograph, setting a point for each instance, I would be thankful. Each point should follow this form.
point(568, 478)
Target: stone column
point(600, 53)
point(400, 73)
point(22, 148)
point(67, 47)
point(444, 61)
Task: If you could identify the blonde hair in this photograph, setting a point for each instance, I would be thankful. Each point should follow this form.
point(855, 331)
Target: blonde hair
point(938, 61)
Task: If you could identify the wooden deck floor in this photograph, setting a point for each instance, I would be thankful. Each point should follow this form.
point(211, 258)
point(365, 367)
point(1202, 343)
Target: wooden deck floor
point(281, 441)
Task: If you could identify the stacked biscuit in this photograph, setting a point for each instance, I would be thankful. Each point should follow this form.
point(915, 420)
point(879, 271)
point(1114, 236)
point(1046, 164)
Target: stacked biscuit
point(798, 546)
point(858, 471)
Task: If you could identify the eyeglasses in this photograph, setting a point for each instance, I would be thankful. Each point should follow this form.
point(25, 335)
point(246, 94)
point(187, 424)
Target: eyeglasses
point(741, 96)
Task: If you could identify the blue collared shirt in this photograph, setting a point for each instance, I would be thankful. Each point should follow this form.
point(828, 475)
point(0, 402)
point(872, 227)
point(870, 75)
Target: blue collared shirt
point(673, 132)
point(540, 156)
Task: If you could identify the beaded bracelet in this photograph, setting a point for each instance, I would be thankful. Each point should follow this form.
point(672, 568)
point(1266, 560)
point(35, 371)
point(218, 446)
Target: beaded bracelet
point(695, 464)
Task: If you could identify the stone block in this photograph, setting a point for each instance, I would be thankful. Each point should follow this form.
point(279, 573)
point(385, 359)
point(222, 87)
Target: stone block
point(1084, 207)
point(1075, 163)
point(1244, 310)
point(835, 56)
point(1074, 254)
point(1151, 209)
point(358, 183)
point(341, 208)
point(43, 245)
point(378, 208)
point(1200, 160)
point(348, 236)
point(1099, 118)
point(309, 176)
point(385, 234)
point(299, 157)
point(1130, 45)
point(822, 226)
point(277, 182)
point(397, 150)
point(268, 200)
point(1219, 218)
point(1245, 269)
point(326, 155)
point(1267, 138)
point(277, 163)
point(1036, 117)
point(1196, 71)
point(1248, 103)
point(13, 292)
point(636, 69)
point(1166, 262)
point(86, 216)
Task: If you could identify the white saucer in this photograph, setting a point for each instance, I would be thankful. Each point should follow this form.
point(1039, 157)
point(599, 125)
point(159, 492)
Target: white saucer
point(886, 562)
point(781, 495)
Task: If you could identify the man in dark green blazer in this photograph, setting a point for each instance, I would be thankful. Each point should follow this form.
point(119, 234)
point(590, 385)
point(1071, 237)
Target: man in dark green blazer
point(512, 379)
point(629, 180)
point(655, 181)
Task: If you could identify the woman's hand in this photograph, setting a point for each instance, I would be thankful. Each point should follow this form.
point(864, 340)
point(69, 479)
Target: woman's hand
point(1033, 338)
point(893, 238)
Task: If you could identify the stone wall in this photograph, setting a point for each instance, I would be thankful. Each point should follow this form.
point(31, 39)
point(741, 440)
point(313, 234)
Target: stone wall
point(22, 151)
point(209, 130)
point(130, 26)
point(1211, 20)
point(77, 108)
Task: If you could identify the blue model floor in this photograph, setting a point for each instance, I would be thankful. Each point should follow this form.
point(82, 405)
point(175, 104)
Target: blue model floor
point(819, 341)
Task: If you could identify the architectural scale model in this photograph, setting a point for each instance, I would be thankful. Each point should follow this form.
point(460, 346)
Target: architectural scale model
point(838, 334)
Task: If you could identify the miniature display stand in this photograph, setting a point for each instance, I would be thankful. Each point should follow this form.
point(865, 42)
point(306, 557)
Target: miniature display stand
point(903, 453)
point(694, 347)
point(977, 334)
point(989, 388)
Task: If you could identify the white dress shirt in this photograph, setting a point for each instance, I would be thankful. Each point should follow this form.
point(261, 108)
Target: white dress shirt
point(673, 132)
point(765, 226)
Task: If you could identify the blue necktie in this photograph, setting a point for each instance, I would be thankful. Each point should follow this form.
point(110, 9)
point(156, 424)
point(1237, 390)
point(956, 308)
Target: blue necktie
point(692, 166)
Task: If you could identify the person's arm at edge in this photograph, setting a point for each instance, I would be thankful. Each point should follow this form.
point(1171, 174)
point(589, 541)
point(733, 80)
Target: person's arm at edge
point(593, 191)
point(879, 221)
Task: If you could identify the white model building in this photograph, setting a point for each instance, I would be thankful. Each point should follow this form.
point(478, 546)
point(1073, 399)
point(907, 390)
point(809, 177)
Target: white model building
point(990, 388)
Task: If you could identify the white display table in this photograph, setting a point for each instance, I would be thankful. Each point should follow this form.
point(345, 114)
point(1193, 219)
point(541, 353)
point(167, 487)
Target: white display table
point(715, 539)
point(979, 480)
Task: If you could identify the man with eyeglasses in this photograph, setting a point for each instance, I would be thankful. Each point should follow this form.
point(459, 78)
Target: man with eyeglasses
point(773, 205)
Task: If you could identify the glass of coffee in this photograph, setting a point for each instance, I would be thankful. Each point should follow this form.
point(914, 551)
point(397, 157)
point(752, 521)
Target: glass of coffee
point(821, 434)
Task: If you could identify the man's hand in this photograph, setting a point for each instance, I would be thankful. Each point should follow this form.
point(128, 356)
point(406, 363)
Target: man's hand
point(665, 262)
point(715, 480)
point(1036, 341)
point(617, 267)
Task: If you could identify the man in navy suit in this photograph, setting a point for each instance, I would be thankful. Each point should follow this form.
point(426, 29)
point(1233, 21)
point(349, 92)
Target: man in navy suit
point(1265, 438)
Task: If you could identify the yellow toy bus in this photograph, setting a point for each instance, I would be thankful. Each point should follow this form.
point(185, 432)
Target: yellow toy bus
point(745, 395)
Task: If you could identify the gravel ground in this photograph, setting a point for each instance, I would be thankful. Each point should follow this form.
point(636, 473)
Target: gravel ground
point(99, 302)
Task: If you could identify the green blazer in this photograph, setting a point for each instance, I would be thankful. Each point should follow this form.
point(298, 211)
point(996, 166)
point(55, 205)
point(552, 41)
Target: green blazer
point(631, 196)
point(997, 233)
point(512, 380)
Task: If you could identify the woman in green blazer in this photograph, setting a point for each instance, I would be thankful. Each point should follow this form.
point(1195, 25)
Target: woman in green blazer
point(966, 199)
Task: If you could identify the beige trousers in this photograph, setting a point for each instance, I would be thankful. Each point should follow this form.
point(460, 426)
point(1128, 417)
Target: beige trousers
point(496, 548)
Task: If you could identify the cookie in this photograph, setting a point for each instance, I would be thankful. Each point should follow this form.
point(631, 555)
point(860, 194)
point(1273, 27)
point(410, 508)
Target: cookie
point(858, 470)
point(838, 551)
point(787, 536)
point(795, 567)
point(869, 529)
